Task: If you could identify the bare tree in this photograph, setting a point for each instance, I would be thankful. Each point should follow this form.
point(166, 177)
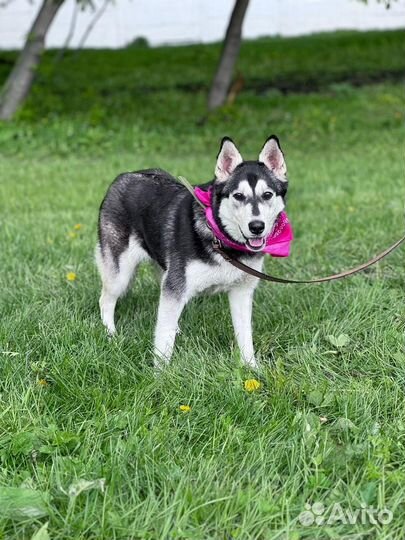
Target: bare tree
point(92, 24)
point(230, 51)
point(18, 84)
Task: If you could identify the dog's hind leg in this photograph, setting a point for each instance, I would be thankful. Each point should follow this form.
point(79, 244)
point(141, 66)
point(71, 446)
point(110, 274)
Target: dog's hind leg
point(116, 275)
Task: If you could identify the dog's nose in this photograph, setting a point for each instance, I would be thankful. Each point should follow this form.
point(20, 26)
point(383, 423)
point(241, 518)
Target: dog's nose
point(256, 226)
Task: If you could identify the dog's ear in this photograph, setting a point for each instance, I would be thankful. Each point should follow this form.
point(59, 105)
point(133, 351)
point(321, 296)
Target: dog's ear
point(273, 157)
point(227, 160)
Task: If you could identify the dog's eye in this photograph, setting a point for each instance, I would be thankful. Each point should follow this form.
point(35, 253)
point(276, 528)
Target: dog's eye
point(239, 196)
point(267, 195)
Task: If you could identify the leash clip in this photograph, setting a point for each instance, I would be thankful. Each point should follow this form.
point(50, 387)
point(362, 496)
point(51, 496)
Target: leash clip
point(216, 243)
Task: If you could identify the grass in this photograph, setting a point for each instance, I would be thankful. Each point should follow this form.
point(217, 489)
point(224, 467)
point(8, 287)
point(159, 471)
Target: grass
point(93, 442)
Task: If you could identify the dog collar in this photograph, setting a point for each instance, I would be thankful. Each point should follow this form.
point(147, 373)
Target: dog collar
point(277, 243)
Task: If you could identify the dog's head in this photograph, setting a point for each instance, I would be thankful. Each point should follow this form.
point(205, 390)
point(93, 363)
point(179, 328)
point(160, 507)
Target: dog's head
point(249, 195)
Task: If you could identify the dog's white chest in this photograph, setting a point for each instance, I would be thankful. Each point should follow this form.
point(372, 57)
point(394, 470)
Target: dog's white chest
point(205, 277)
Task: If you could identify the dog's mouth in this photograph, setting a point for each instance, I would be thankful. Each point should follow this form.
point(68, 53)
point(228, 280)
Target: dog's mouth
point(256, 244)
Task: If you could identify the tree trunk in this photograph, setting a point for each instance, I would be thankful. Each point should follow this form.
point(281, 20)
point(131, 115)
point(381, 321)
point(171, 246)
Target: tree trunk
point(18, 84)
point(223, 76)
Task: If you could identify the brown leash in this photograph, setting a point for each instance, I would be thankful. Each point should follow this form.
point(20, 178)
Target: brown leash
point(217, 247)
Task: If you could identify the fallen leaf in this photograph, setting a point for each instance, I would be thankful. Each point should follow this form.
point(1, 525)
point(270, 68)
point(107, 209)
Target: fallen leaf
point(42, 533)
point(341, 341)
point(85, 485)
point(17, 502)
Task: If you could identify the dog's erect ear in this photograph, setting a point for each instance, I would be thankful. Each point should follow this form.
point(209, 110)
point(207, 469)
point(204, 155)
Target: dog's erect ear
point(273, 157)
point(228, 159)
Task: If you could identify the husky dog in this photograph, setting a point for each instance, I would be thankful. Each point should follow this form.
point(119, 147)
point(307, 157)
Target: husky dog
point(148, 215)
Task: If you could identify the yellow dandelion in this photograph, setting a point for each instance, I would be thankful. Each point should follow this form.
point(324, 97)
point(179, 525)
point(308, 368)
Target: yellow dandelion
point(42, 382)
point(77, 227)
point(71, 276)
point(252, 384)
point(185, 408)
point(72, 234)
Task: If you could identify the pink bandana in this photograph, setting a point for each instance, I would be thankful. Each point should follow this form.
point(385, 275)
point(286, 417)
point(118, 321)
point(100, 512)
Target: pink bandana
point(277, 243)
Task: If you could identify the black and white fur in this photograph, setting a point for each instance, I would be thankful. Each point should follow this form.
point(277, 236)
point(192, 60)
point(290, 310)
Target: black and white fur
point(148, 215)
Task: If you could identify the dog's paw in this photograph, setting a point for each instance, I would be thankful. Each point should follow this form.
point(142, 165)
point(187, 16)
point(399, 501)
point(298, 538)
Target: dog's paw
point(110, 332)
point(160, 361)
point(253, 367)
point(251, 363)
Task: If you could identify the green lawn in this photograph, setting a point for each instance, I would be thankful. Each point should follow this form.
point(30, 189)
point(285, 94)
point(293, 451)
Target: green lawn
point(327, 424)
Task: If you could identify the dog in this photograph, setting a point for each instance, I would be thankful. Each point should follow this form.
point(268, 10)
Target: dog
point(149, 215)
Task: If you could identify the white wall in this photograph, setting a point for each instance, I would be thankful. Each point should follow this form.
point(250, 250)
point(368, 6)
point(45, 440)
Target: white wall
point(182, 21)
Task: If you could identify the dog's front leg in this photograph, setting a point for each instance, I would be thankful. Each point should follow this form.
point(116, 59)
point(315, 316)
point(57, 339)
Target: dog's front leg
point(241, 301)
point(170, 308)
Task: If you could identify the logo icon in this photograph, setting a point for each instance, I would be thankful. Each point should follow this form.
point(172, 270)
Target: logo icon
point(312, 514)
